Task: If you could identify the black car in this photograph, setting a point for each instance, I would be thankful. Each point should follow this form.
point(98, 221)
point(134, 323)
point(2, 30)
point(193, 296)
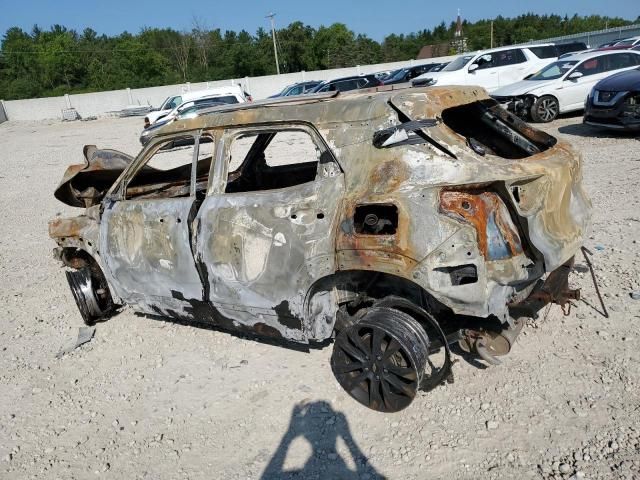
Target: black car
point(570, 47)
point(614, 102)
point(299, 88)
point(348, 83)
point(407, 74)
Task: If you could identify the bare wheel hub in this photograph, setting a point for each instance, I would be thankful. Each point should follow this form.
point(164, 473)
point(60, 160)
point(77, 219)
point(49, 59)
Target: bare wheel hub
point(84, 292)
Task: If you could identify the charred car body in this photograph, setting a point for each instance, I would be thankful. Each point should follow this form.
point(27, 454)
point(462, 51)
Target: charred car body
point(418, 217)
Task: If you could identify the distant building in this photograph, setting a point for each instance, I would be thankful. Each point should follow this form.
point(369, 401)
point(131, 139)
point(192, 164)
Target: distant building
point(459, 42)
point(455, 46)
point(436, 50)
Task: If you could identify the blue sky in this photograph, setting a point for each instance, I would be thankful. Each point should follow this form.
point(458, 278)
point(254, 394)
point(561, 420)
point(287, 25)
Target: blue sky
point(376, 18)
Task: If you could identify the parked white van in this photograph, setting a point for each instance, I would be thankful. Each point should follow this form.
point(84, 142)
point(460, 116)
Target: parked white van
point(492, 68)
point(174, 101)
point(563, 86)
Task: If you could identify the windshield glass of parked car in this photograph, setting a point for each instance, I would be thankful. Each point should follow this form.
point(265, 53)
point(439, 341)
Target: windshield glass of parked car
point(220, 100)
point(553, 70)
point(171, 103)
point(399, 75)
point(458, 63)
point(625, 43)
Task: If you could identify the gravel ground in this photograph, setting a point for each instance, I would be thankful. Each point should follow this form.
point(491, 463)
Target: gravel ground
point(150, 399)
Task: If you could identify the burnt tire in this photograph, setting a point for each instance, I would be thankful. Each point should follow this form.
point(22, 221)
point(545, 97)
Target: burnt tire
point(91, 294)
point(380, 360)
point(545, 109)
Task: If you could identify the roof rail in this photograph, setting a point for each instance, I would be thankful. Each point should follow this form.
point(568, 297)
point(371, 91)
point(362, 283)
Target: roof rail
point(293, 99)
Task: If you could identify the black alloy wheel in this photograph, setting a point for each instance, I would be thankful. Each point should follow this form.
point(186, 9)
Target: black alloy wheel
point(380, 361)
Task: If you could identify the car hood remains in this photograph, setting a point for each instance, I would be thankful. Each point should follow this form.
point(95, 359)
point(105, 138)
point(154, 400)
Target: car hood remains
point(84, 185)
point(521, 88)
point(621, 82)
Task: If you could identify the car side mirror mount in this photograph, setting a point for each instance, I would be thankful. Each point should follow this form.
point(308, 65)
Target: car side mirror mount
point(575, 76)
point(473, 67)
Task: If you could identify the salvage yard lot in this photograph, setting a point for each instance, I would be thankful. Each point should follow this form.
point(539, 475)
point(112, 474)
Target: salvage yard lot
point(151, 399)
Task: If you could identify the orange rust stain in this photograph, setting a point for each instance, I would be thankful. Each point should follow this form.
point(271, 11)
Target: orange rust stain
point(388, 176)
point(66, 227)
point(477, 208)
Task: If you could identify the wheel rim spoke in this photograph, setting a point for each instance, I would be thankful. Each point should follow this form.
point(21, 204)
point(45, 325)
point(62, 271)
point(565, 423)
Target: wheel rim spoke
point(375, 397)
point(391, 400)
point(351, 383)
point(359, 344)
point(392, 348)
point(404, 372)
point(548, 110)
point(405, 388)
point(348, 367)
point(352, 351)
point(376, 342)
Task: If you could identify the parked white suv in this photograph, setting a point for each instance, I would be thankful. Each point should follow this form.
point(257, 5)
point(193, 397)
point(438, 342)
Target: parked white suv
point(563, 86)
point(174, 101)
point(491, 68)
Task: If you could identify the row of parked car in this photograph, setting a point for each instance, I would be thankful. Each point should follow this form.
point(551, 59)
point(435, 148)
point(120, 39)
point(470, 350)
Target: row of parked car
point(536, 82)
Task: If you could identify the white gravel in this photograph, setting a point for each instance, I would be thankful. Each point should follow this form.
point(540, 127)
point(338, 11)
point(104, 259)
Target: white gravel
point(147, 399)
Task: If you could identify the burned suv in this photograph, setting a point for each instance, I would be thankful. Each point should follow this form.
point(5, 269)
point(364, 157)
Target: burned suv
point(393, 221)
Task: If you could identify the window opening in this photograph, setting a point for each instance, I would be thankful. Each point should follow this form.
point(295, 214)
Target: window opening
point(271, 160)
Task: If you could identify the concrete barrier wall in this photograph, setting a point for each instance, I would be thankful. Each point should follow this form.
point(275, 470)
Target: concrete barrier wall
point(102, 103)
point(3, 115)
point(596, 37)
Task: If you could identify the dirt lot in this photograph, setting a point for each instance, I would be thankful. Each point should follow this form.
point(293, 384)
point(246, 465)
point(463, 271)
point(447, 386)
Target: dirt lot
point(150, 399)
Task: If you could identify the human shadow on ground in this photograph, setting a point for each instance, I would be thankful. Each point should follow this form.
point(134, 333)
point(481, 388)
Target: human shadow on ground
point(321, 426)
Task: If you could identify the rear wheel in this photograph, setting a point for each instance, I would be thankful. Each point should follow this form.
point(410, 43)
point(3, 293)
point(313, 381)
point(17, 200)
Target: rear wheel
point(380, 361)
point(545, 109)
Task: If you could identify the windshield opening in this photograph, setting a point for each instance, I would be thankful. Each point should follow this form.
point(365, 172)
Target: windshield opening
point(553, 70)
point(458, 63)
point(625, 42)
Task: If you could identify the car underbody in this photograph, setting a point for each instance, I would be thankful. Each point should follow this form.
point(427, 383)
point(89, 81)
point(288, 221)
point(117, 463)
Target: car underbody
point(431, 216)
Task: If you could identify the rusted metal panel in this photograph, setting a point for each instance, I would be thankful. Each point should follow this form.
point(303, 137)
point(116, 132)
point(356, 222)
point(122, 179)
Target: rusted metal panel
point(264, 250)
point(496, 234)
point(249, 260)
point(146, 248)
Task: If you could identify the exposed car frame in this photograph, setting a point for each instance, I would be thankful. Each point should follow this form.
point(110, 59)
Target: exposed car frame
point(426, 216)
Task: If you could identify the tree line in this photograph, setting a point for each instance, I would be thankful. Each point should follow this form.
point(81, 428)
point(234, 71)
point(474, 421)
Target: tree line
point(61, 60)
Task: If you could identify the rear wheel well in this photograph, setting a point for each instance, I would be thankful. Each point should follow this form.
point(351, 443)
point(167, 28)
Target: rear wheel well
point(355, 290)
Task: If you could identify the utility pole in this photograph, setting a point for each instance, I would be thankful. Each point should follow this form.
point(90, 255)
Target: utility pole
point(273, 36)
point(491, 34)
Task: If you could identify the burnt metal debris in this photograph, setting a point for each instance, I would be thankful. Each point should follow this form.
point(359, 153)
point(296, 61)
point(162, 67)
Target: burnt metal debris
point(427, 216)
